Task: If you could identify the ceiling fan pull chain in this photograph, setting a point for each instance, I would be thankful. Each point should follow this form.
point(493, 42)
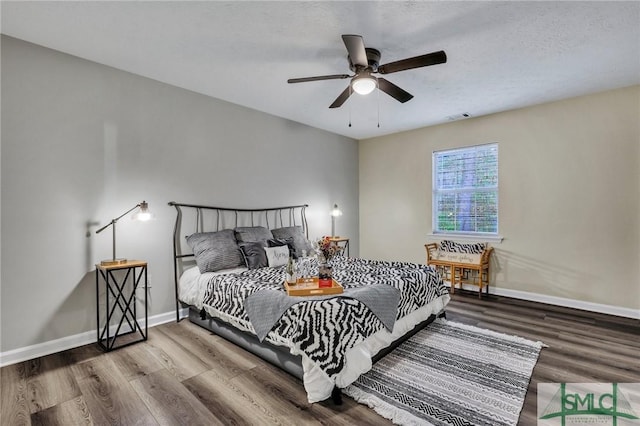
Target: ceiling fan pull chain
point(378, 106)
point(349, 107)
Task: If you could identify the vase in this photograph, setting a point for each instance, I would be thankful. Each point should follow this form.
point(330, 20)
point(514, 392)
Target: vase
point(325, 275)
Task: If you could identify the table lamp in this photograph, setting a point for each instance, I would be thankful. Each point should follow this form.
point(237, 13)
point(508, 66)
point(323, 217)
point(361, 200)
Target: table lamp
point(143, 215)
point(334, 213)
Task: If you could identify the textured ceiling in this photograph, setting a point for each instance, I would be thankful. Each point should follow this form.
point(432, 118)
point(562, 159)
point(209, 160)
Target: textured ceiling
point(501, 55)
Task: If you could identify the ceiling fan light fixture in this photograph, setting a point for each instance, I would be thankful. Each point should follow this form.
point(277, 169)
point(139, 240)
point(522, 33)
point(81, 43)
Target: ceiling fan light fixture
point(363, 85)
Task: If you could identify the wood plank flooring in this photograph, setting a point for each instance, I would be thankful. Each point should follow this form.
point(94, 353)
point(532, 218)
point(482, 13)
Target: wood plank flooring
point(184, 375)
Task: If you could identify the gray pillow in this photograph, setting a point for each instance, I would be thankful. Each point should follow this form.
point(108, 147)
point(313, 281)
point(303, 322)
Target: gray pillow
point(253, 234)
point(300, 241)
point(254, 255)
point(215, 250)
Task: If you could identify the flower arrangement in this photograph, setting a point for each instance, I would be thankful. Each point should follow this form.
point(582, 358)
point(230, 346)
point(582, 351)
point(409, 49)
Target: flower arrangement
point(327, 248)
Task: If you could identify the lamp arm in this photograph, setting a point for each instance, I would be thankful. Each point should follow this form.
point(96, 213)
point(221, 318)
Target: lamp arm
point(106, 226)
point(113, 221)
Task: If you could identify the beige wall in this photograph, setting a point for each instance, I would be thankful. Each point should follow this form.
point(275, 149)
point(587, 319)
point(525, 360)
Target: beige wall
point(569, 195)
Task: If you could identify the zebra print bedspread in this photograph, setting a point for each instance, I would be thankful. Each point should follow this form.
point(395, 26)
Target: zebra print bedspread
point(324, 330)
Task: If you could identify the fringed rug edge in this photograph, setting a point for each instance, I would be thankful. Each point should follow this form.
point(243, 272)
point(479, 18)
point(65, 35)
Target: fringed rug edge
point(396, 415)
point(510, 337)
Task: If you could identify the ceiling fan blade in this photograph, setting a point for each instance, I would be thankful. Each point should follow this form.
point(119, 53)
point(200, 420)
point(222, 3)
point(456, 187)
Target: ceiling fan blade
point(416, 62)
point(341, 98)
point(320, 77)
point(394, 91)
point(355, 47)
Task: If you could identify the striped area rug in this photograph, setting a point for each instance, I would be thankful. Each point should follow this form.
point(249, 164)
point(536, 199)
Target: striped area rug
point(451, 374)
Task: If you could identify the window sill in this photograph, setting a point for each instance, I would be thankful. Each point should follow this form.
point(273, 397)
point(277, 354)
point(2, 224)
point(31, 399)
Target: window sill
point(467, 237)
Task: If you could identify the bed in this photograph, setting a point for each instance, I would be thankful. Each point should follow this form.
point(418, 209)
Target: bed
point(229, 273)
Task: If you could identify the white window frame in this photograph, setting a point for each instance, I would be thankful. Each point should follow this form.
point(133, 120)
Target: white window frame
point(461, 235)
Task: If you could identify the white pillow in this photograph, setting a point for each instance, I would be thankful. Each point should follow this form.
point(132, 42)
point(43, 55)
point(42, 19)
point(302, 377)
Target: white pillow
point(277, 256)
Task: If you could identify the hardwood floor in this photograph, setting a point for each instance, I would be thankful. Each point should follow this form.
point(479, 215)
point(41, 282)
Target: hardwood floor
point(184, 375)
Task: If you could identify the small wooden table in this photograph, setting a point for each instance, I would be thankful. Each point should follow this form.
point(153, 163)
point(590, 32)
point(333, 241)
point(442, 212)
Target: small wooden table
point(341, 242)
point(123, 293)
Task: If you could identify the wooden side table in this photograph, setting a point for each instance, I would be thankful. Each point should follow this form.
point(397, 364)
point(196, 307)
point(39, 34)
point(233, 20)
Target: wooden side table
point(121, 295)
point(341, 242)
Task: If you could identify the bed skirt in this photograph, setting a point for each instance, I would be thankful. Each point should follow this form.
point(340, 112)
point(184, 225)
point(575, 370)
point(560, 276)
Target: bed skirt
point(279, 355)
point(276, 355)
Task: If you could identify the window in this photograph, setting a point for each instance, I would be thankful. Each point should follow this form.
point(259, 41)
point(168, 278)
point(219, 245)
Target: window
point(465, 190)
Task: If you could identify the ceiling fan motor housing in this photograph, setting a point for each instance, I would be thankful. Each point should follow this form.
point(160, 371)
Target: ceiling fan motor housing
point(373, 59)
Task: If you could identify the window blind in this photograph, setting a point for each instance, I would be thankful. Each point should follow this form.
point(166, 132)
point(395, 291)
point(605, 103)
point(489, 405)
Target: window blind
point(465, 190)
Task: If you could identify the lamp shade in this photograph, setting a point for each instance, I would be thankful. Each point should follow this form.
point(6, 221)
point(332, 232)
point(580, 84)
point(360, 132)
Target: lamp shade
point(363, 85)
point(144, 213)
point(335, 212)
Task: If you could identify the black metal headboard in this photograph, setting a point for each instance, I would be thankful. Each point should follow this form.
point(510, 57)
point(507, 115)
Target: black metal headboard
point(192, 218)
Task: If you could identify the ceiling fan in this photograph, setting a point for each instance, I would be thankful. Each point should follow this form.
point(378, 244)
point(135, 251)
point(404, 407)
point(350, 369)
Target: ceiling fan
point(364, 61)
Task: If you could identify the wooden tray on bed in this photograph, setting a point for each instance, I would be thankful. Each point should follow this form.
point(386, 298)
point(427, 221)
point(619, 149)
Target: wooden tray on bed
point(310, 287)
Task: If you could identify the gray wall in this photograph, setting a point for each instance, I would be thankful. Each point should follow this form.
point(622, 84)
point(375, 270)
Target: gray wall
point(569, 196)
point(82, 143)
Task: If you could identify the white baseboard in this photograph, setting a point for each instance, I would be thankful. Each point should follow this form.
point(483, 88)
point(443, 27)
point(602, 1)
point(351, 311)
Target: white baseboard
point(70, 342)
point(560, 301)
